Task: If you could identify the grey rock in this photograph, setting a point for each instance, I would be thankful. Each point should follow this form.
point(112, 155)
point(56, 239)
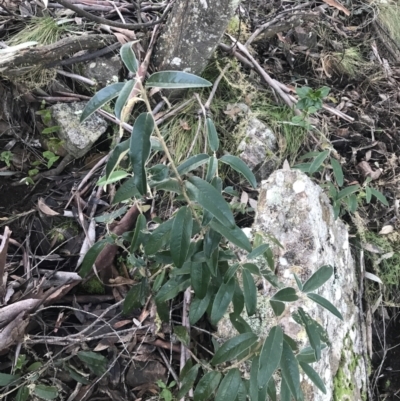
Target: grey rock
point(78, 138)
point(103, 70)
point(257, 149)
point(298, 214)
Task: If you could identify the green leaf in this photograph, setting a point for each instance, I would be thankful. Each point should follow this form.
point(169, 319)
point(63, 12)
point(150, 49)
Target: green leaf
point(213, 140)
point(320, 277)
point(34, 366)
point(312, 332)
point(180, 235)
point(286, 295)
point(211, 200)
point(76, 376)
point(368, 194)
point(233, 347)
point(176, 80)
point(222, 300)
point(22, 394)
point(139, 149)
point(136, 296)
point(188, 381)
point(250, 293)
point(229, 386)
point(313, 375)
point(97, 363)
point(200, 278)
point(100, 99)
point(192, 163)
point(109, 217)
point(379, 195)
point(116, 156)
point(285, 391)
point(298, 282)
point(348, 191)
point(182, 334)
point(325, 304)
point(51, 130)
point(212, 262)
point(337, 171)
point(91, 256)
point(278, 307)
point(239, 323)
point(352, 203)
point(185, 370)
point(307, 354)
point(234, 235)
point(138, 234)
point(129, 57)
point(115, 176)
point(252, 268)
point(237, 300)
point(271, 278)
point(123, 97)
point(207, 385)
point(290, 371)
point(318, 161)
point(271, 390)
point(159, 237)
point(212, 168)
point(126, 191)
point(45, 392)
point(241, 167)
point(303, 91)
point(198, 307)
point(170, 185)
point(6, 379)
point(291, 342)
point(211, 242)
point(171, 289)
point(258, 251)
point(270, 355)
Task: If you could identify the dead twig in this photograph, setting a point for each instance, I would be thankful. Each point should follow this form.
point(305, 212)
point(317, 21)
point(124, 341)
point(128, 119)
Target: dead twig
point(3, 256)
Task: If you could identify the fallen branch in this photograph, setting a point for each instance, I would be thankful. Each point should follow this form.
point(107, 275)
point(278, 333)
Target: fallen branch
point(3, 256)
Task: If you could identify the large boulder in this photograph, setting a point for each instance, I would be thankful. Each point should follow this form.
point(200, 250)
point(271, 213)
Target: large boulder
point(298, 214)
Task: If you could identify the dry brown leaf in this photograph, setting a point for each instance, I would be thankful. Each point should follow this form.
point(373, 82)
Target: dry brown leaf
point(184, 125)
point(45, 209)
point(386, 230)
point(365, 169)
point(244, 198)
point(334, 3)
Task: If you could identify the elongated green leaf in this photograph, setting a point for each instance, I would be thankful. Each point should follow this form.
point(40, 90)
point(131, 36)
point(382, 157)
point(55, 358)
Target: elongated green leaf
point(337, 171)
point(312, 332)
point(286, 295)
point(198, 308)
point(192, 163)
point(241, 167)
point(222, 301)
point(139, 149)
point(46, 392)
point(325, 304)
point(171, 289)
point(271, 390)
point(138, 234)
point(159, 237)
point(348, 191)
point(352, 203)
point(123, 97)
point(379, 195)
point(212, 262)
point(170, 185)
point(239, 323)
point(207, 385)
point(229, 386)
point(320, 330)
point(213, 141)
point(313, 375)
point(254, 388)
point(91, 256)
point(242, 392)
point(76, 376)
point(233, 347)
point(116, 156)
point(115, 176)
point(211, 200)
point(211, 242)
point(285, 391)
point(258, 251)
point(212, 168)
point(368, 194)
point(22, 394)
point(182, 335)
point(270, 355)
point(6, 379)
point(320, 277)
point(252, 268)
point(271, 278)
point(278, 307)
point(298, 282)
point(126, 191)
point(200, 278)
point(180, 235)
point(110, 217)
point(290, 371)
point(234, 235)
point(100, 99)
point(317, 162)
point(129, 57)
point(307, 354)
point(136, 296)
point(237, 300)
point(176, 80)
point(185, 370)
point(250, 293)
point(291, 342)
point(95, 362)
point(188, 381)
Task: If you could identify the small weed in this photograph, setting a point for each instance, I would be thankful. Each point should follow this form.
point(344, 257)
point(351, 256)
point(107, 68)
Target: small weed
point(166, 393)
point(6, 157)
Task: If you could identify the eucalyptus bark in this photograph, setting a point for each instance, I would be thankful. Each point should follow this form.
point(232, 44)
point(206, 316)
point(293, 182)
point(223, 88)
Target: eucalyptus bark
point(191, 34)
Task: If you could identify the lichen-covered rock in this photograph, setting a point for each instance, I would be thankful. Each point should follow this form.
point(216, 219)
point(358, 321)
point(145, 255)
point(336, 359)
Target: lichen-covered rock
point(104, 70)
point(298, 214)
point(77, 138)
point(257, 148)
